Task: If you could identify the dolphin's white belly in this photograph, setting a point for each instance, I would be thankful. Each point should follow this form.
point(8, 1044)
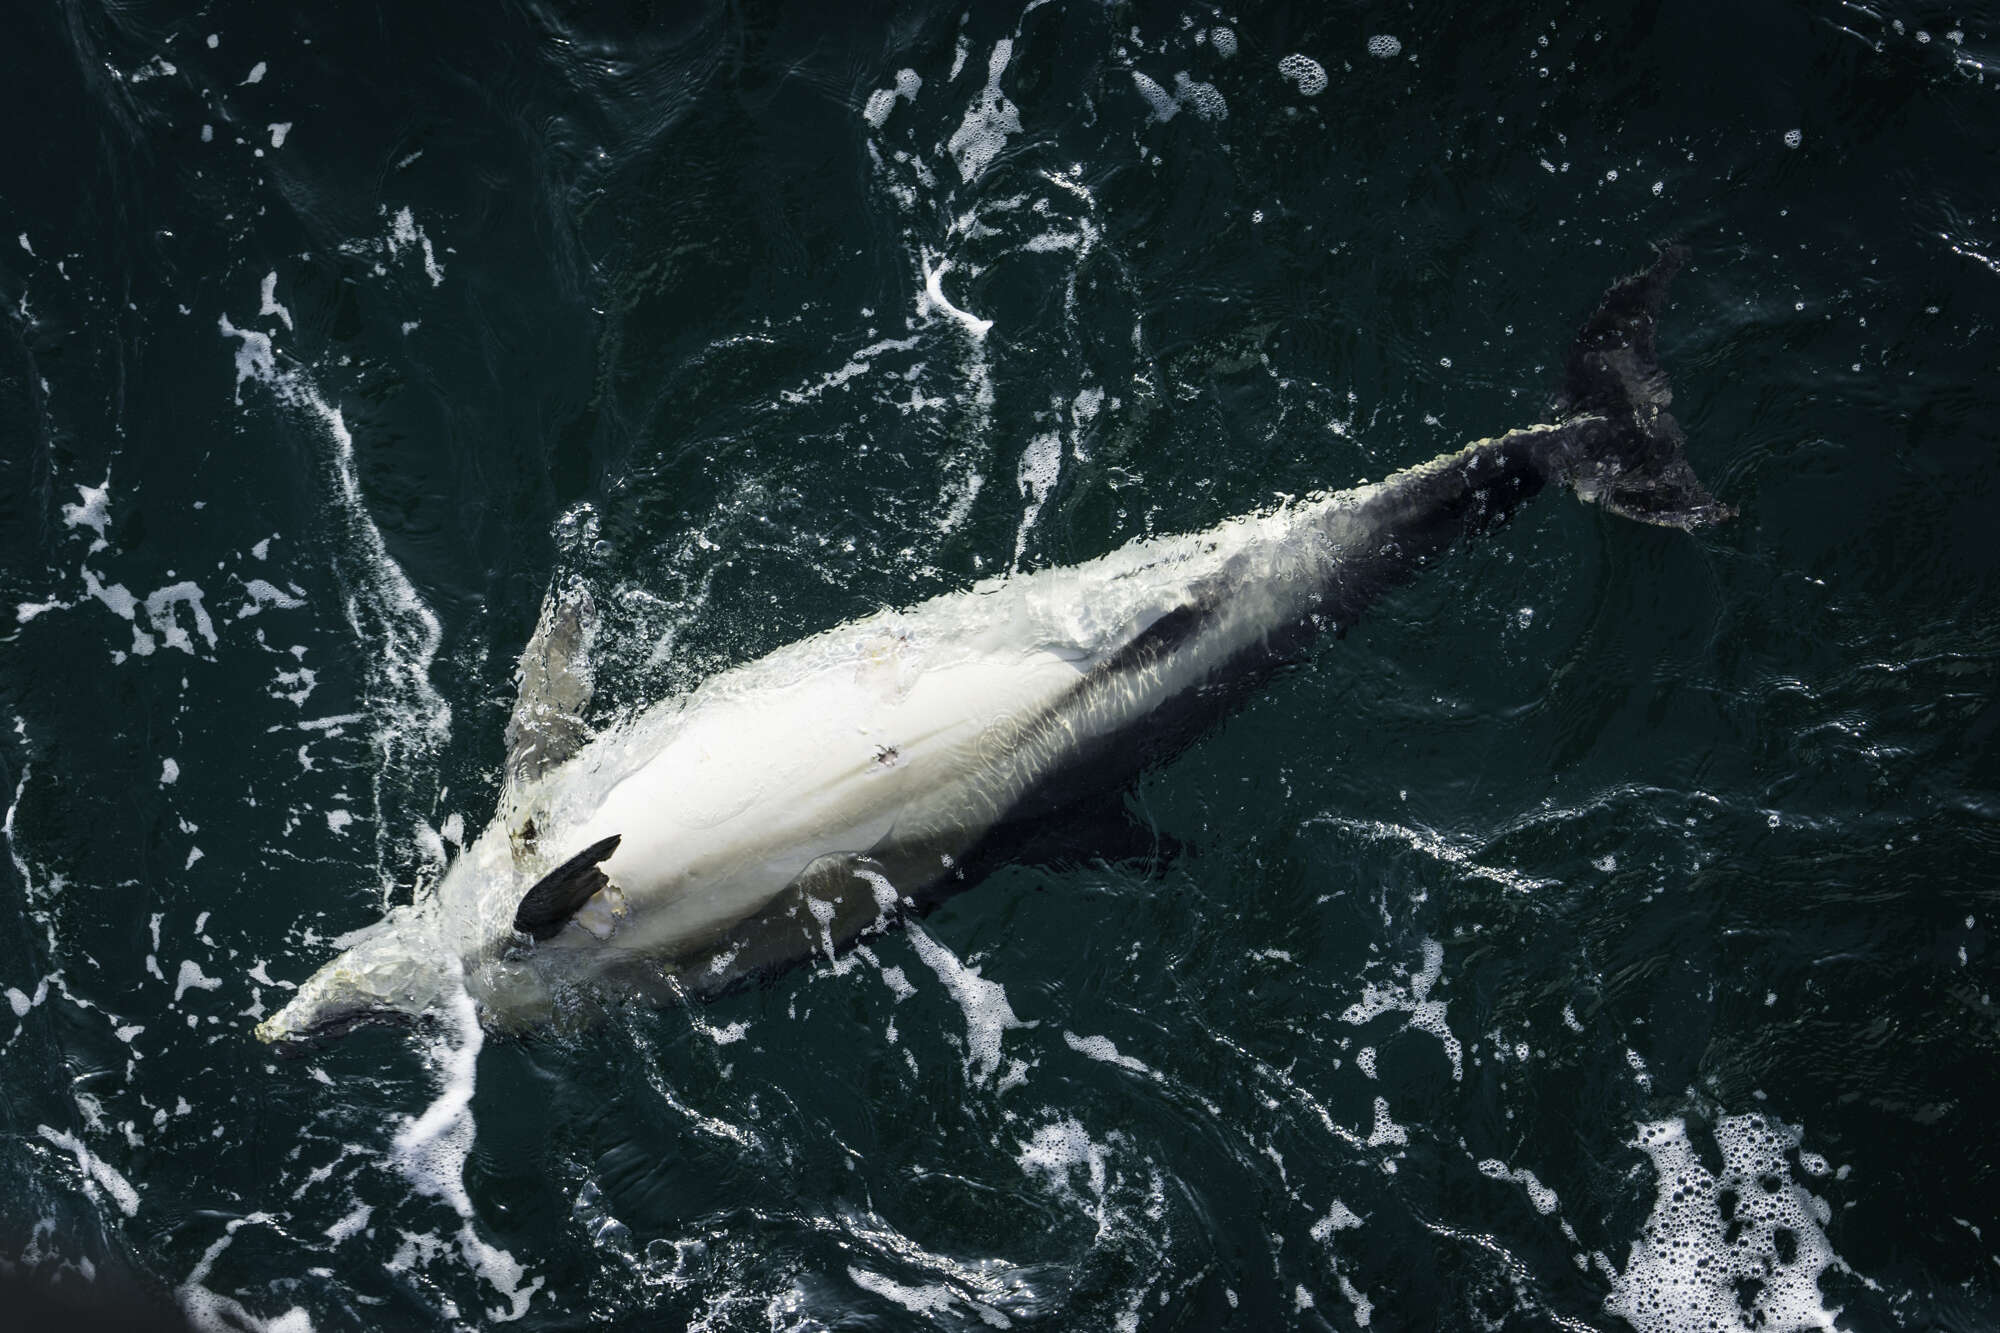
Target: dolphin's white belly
point(753, 788)
point(846, 740)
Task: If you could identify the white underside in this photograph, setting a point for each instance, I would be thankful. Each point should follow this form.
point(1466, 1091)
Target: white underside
point(846, 740)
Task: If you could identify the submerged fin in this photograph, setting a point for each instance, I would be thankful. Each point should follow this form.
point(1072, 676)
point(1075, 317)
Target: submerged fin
point(558, 895)
point(1639, 467)
point(547, 724)
point(1103, 829)
point(835, 899)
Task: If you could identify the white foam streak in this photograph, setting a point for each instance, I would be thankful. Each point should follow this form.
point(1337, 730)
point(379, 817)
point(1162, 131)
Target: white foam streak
point(963, 480)
point(934, 301)
point(1430, 844)
point(932, 1300)
point(984, 1003)
point(1061, 1146)
point(431, 1149)
point(351, 1225)
point(1102, 1049)
point(883, 100)
point(858, 363)
point(94, 512)
point(255, 359)
point(400, 632)
point(1164, 106)
point(263, 593)
point(1541, 1196)
point(95, 1169)
point(268, 299)
point(430, 1152)
point(1386, 1132)
point(192, 978)
point(160, 606)
point(404, 233)
point(210, 1312)
point(1339, 1217)
point(1041, 467)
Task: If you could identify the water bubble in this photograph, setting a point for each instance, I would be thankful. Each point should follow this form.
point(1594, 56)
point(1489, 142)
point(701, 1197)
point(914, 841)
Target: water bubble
point(1793, 138)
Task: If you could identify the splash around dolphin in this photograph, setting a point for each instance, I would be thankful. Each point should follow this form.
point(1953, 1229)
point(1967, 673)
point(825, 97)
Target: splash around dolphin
point(787, 806)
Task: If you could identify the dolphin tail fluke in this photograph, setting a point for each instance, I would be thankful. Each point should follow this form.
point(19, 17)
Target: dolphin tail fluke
point(1638, 467)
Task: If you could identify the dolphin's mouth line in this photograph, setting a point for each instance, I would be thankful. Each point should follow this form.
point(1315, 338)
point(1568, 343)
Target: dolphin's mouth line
point(298, 1045)
point(317, 1037)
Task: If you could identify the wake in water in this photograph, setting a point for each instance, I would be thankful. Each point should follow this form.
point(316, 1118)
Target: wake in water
point(408, 722)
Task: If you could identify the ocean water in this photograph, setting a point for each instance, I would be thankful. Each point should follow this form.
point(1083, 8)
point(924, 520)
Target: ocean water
point(1599, 936)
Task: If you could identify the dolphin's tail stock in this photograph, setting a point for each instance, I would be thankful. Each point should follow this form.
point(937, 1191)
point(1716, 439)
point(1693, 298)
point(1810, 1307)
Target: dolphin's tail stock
point(1638, 468)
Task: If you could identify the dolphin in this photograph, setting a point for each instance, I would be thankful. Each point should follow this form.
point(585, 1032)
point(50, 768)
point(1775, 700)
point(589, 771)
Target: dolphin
point(785, 807)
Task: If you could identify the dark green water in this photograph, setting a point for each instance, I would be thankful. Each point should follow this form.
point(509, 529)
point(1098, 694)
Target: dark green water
point(1674, 829)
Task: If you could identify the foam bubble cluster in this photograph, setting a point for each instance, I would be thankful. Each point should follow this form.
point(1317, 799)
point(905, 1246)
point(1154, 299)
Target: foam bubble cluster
point(989, 120)
point(1425, 1014)
point(883, 100)
point(1736, 1251)
point(1064, 1146)
point(1164, 106)
point(1307, 73)
point(1041, 466)
point(1202, 98)
point(1384, 47)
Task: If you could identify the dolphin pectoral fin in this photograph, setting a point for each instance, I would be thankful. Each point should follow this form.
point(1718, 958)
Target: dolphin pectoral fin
point(1637, 467)
point(547, 725)
point(561, 893)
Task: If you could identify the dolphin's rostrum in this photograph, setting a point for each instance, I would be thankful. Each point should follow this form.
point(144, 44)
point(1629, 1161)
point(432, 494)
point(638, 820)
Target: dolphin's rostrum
point(786, 806)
